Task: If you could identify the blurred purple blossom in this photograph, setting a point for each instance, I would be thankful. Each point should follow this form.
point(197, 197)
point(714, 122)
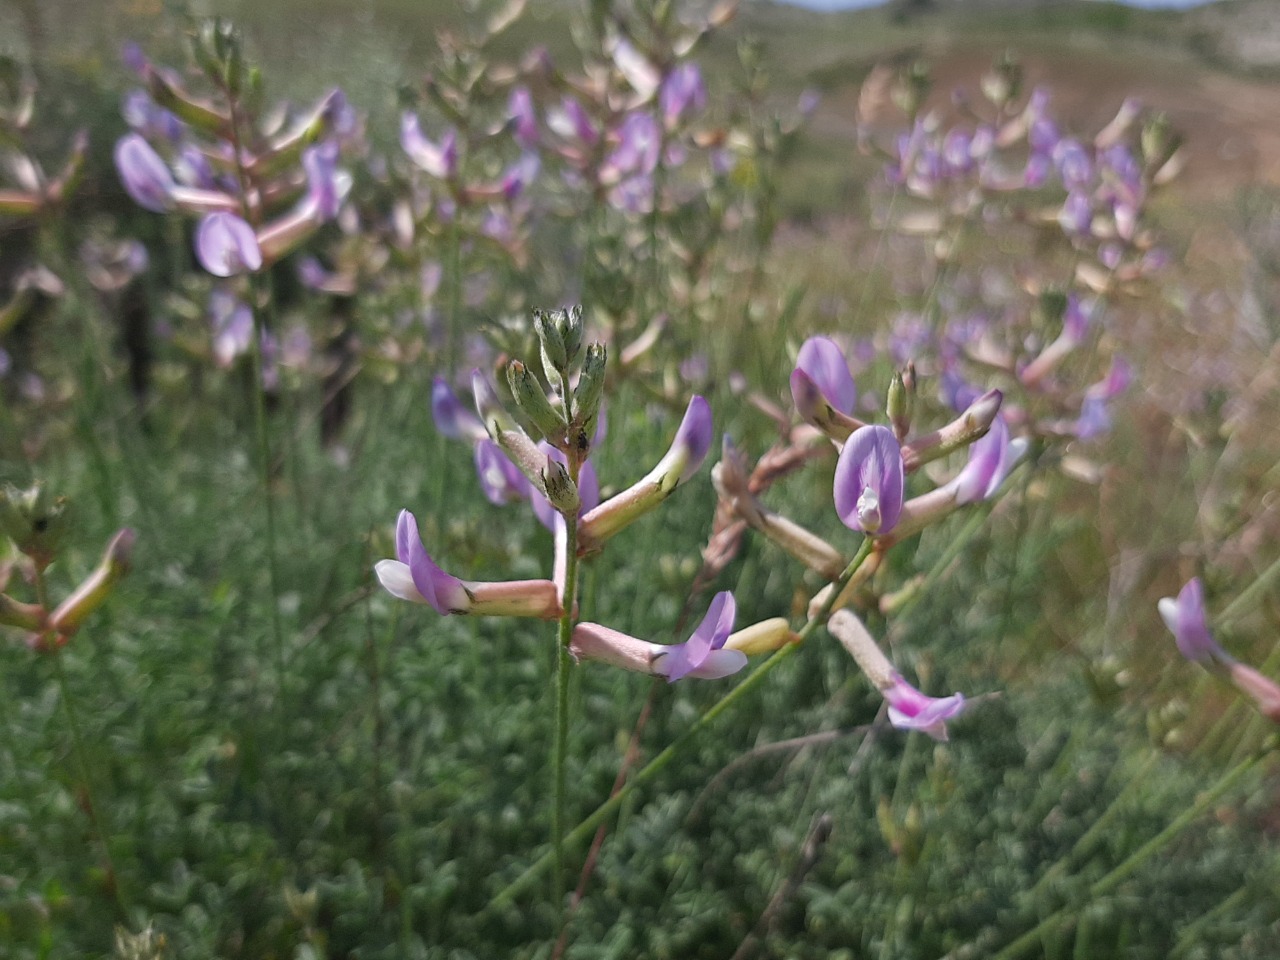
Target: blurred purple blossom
point(225, 245)
point(145, 176)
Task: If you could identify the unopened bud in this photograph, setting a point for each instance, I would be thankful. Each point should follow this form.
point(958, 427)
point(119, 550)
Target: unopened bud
point(560, 488)
point(34, 520)
point(96, 587)
point(569, 325)
point(763, 637)
point(533, 402)
point(1003, 82)
point(1159, 141)
point(899, 407)
point(590, 389)
point(555, 355)
point(489, 406)
point(912, 88)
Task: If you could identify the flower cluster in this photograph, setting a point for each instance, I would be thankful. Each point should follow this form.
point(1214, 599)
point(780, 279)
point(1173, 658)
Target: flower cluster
point(1042, 330)
point(259, 188)
point(544, 458)
point(870, 496)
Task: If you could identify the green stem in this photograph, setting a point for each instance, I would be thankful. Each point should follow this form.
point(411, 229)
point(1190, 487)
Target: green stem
point(259, 400)
point(1188, 936)
point(77, 748)
point(1087, 839)
point(1119, 874)
point(264, 464)
point(753, 680)
point(1251, 594)
point(564, 664)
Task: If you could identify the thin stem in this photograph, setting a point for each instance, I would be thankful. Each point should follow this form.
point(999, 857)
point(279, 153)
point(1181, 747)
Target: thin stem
point(1119, 874)
point(1087, 839)
point(1251, 594)
point(753, 680)
point(563, 666)
point(77, 747)
point(261, 429)
point(259, 399)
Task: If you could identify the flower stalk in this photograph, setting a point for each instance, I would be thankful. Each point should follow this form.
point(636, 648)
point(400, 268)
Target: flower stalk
point(655, 766)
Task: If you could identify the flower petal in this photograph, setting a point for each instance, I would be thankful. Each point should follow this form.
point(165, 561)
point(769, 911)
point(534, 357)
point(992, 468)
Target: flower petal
point(397, 580)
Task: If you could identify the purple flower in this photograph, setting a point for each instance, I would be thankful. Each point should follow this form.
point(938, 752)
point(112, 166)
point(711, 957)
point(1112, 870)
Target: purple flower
point(571, 121)
point(956, 392)
point(1095, 416)
point(145, 176)
point(232, 324)
point(639, 142)
point(909, 709)
point(991, 457)
point(1073, 163)
point(500, 479)
point(691, 443)
point(635, 66)
point(523, 118)
point(703, 654)
point(150, 119)
point(682, 92)
point(822, 364)
point(414, 576)
point(326, 184)
point(440, 160)
point(226, 245)
point(869, 481)
point(517, 177)
point(1076, 216)
point(133, 58)
point(1042, 135)
point(1185, 617)
point(452, 418)
point(193, 169)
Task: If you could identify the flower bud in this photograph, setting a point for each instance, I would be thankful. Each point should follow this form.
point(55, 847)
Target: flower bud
point(560, 488)
point(899, 406)
point(590, 390)
point(763, 637)
point(34, 520)
point(95, 589)
point(533, 402)
point(489, 406)
point(554, 353)
point(569, 325)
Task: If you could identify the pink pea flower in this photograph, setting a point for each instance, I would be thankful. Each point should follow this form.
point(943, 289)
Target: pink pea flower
point(415, 577)
point(909, 709)
point(440, 160)
point(682, 93)
point(822, 364)
point(145, 176)
point(702, 656)
point(226, 245)
point(1185, 618)
point(869, 482)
